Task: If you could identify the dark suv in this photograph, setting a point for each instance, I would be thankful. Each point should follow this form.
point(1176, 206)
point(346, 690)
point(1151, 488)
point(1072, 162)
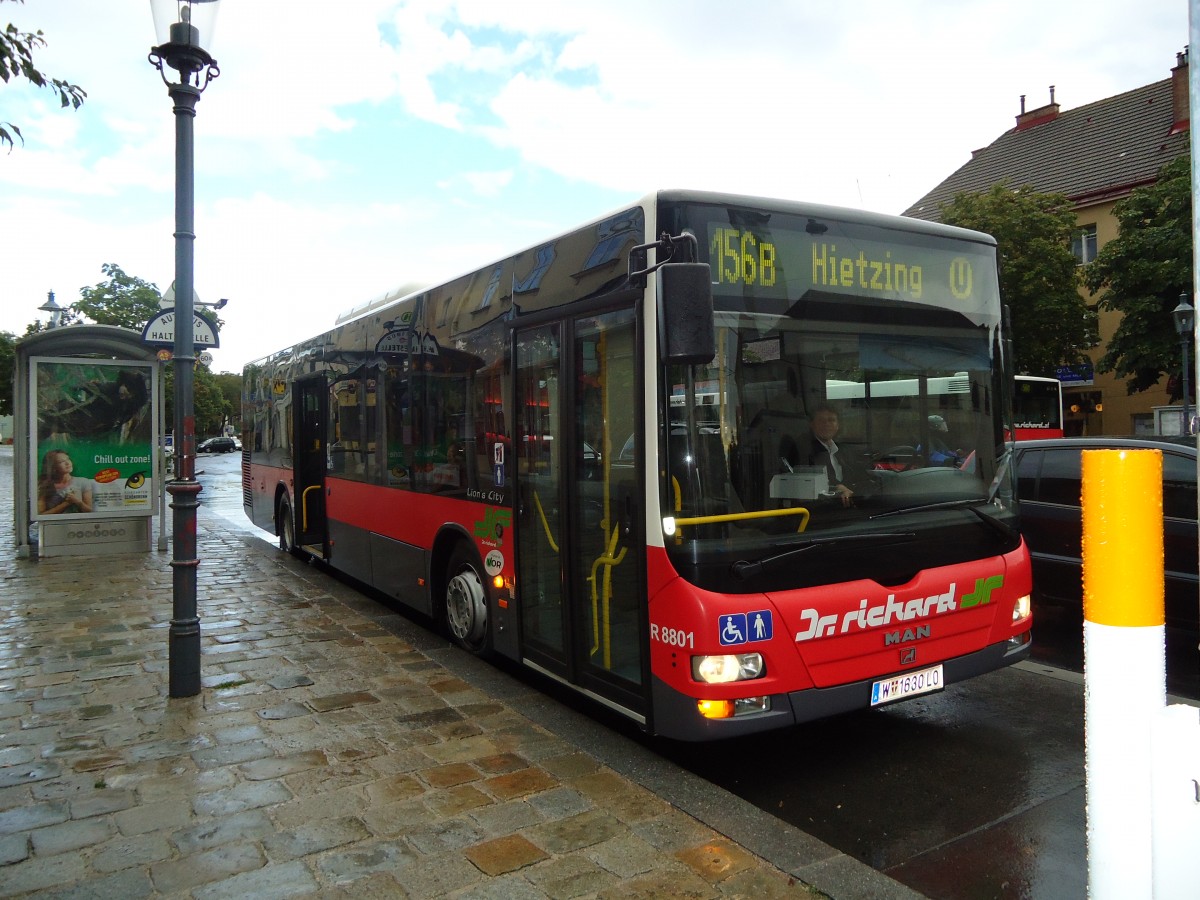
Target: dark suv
point(1048, 487)
point(219, 445)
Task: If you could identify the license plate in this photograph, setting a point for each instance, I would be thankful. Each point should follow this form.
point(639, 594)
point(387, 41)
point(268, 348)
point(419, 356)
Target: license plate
point(923, 681)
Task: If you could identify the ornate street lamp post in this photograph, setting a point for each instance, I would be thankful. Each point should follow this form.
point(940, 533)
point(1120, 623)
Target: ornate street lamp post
point(184, 30)
point(1185, 316)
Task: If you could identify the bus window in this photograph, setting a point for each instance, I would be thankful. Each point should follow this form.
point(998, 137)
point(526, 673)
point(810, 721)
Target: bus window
point(398, 426)
point(345, 439)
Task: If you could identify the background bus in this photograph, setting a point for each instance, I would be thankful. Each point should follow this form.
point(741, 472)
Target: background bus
point(1037, 407)
point(593, 457)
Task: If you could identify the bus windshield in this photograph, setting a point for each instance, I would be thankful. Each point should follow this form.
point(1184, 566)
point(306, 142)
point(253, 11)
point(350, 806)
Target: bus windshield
point(869, 428)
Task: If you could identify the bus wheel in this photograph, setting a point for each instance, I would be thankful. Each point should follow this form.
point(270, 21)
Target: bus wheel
point(465, 608)
point(287, 528)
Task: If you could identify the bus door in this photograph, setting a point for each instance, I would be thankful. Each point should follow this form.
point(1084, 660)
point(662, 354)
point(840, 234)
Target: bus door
point(312, 397)
point(580, 544)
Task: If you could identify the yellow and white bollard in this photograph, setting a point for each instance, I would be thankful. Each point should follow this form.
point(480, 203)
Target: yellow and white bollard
point(1124, 664)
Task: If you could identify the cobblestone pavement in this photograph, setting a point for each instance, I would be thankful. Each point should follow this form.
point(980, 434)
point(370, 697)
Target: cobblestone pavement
point(336, 749)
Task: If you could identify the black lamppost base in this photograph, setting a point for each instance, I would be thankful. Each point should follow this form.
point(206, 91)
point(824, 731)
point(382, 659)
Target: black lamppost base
point(183, 645)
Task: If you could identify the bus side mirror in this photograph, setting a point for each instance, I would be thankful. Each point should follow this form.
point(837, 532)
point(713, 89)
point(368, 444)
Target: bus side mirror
point(685, 322)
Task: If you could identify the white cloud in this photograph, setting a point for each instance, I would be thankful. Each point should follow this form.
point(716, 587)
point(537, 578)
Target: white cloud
point(349, 148)
point(488, 184)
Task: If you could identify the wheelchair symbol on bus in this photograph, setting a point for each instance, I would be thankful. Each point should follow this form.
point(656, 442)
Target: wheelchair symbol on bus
point(744, 628)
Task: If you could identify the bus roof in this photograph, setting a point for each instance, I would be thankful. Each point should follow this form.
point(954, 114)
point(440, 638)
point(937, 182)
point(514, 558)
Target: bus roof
point(676, 195)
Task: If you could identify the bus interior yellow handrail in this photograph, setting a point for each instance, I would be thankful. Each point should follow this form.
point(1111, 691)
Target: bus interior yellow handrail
point(734, 517)
point(754, 514)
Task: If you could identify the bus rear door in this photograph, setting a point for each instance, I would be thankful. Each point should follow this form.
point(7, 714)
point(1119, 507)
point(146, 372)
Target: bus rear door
point(312, 399)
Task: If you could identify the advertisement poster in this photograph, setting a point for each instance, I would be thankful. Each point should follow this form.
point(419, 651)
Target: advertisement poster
point(93, 438)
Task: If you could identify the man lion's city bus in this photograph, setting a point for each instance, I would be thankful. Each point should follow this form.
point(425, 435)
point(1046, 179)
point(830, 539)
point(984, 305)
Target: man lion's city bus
point(1037, 407)
point(594, 457)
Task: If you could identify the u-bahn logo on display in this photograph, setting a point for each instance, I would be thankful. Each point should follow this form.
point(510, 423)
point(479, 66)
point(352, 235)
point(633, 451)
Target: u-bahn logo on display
point(744, 628)
point(961, 278)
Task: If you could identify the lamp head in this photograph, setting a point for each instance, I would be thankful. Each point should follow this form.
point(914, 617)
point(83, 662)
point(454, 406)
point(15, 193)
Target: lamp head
point(50, 306)
point(1184, 315)
point(184, 29)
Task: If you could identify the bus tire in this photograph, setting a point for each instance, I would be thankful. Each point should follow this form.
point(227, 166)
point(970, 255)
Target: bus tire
point(464, 610)
point(286, 526)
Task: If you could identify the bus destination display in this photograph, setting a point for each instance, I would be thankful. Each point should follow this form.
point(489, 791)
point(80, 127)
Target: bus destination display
point(788, 262)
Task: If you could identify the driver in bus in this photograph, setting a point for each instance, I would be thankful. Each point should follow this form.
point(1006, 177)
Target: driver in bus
point(825, 452)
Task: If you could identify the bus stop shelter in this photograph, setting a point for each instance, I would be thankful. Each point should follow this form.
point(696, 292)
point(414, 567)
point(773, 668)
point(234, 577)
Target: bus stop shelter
point(88, 465)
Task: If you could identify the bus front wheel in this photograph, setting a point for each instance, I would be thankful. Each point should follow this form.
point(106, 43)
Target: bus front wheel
point(465, 607)
point(286, 528)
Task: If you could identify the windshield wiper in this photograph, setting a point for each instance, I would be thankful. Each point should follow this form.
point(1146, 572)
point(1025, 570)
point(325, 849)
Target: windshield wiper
point(744, 569)
point(972, 506)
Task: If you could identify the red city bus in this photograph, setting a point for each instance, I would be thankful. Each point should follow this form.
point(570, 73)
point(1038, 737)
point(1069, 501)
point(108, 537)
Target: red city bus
point(1037, 407)
point(594, 457)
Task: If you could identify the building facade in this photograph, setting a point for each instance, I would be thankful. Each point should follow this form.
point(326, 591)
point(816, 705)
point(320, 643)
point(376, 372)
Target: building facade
point(1096, 154)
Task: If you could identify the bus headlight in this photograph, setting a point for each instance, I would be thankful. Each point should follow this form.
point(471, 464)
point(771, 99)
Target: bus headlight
point(1022, 609)
point(727, 668)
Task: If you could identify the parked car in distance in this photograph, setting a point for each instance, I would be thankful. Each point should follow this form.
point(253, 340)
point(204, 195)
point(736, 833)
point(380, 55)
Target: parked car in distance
point(219, 445)
point(1048, 491)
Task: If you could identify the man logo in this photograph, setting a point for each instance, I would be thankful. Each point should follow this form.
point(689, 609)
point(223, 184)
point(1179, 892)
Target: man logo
point(908, 656)
point(907, 635)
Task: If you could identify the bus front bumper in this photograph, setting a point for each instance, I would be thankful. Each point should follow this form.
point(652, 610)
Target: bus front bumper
point(676, 715)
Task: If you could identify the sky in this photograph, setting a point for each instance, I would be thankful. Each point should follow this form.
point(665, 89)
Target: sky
point(348, 148)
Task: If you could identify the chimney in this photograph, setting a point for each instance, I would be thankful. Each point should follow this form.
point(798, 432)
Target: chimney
point(1039, 116)
point(1180, 96)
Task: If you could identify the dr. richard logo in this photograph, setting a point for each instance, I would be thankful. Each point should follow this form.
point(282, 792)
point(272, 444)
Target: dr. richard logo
point(893, 610)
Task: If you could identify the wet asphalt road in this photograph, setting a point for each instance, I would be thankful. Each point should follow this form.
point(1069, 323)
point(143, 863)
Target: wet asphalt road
point(976, 792)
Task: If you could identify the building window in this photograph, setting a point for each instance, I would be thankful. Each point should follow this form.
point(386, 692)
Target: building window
point(1083, 244)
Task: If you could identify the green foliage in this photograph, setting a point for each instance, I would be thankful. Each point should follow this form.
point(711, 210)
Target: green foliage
point(1051, 322)
point(1145, 269)
point(209, 404)
point(123, 300)
point(8, 357)
point(130, 302)
point(230, 386)
point(16, 61)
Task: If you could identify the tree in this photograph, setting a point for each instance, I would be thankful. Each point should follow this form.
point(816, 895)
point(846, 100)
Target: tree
point(8, 357)
point(211, 408)
point(16, 60)
point(1145, 269)
point(123, 300)
point(209, 404)
point(230, 386)
point(1051, 322)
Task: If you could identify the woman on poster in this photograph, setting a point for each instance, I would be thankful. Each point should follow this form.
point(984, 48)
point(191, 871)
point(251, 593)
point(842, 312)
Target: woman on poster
point(59, 491)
